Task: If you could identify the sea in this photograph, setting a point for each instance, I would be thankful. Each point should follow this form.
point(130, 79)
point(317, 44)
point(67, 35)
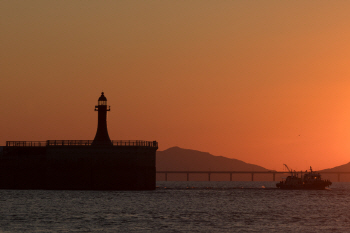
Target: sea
point(179, 206)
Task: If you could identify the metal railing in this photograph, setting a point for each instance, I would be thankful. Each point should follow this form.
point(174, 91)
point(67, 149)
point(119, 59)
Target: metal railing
point(79, 143)
point(69, 142)
point(26, 143)
point(134, 143)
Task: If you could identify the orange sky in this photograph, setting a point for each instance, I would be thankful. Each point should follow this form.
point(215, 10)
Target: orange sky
point(266, 82)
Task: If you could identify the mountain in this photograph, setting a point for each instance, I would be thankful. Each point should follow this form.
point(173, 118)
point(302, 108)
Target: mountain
point(341, 168)
point(178, 159)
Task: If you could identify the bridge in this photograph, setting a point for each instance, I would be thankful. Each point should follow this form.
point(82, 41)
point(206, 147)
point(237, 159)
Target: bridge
point(273, 173)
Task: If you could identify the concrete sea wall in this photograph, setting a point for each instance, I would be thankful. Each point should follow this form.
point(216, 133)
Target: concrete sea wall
point(78, 168)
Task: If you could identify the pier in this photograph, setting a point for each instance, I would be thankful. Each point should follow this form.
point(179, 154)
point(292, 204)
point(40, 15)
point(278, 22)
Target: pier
point(99, 164)
point(273, 173)
point(79, 143)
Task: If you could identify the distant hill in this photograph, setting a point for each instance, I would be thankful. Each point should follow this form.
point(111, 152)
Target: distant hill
point(178, 159)
point(341, 168)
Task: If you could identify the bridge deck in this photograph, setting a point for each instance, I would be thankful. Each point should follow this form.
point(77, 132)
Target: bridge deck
point(273, 173)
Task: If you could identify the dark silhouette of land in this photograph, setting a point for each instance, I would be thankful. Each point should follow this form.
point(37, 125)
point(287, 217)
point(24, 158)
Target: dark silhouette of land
point(178, 159)
point(341, 168)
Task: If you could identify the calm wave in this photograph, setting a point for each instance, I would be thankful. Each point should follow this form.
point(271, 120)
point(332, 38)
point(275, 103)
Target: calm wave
point(179, 207)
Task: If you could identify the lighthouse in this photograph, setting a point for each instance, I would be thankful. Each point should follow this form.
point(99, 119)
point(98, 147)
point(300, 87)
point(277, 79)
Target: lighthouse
point(102, 137)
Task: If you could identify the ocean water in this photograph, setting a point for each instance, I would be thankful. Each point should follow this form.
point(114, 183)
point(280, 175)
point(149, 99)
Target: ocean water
point(179, 207)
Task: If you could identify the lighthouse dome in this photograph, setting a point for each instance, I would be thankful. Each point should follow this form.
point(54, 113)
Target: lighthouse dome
point(102, 100)
point(102, 97)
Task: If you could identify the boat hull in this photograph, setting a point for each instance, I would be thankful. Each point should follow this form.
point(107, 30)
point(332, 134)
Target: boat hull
point(303, 186)
point(312, 186)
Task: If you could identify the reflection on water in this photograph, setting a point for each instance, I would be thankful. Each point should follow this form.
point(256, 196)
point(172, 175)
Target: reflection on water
point(179, 207)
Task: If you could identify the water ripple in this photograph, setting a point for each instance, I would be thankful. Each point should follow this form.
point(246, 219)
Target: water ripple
point(179, 207)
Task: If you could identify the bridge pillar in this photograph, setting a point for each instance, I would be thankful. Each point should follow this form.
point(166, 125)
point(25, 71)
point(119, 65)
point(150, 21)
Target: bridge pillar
point(188, 176)
point(252, 176)
point(231, 176)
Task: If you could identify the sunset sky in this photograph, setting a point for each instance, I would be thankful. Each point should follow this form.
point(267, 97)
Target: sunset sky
point(266, 82)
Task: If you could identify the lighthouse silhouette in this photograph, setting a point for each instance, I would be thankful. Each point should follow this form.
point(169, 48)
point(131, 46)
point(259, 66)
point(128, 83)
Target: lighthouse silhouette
point(102, 137)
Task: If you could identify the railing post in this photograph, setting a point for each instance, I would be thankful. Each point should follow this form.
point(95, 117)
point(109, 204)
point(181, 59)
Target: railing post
point(252, 176)
point(231, 176)
point(274, 176)
point(208, 176)
point(188, 176)
point(166, 176)
point(338, 177)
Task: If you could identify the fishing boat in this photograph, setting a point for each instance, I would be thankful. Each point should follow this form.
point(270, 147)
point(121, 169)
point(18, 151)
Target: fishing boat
point(307, 180)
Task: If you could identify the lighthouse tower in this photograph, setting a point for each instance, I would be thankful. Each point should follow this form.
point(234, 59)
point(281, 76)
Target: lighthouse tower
point(102, 137)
